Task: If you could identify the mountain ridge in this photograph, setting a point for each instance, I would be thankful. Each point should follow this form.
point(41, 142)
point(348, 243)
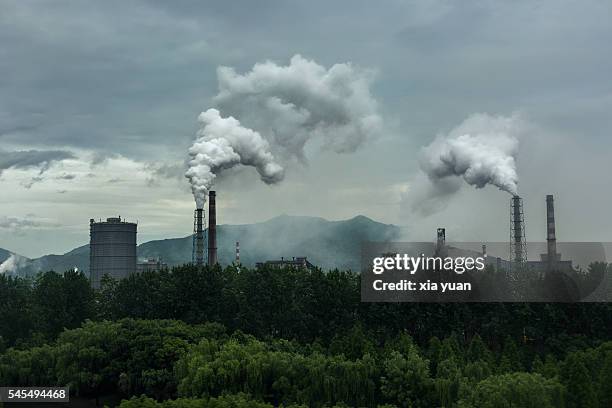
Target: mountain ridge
point(328, 244)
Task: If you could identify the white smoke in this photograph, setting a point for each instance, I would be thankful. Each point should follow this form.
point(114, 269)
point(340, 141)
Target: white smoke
point(482, 151)
point(12, 264)
point(283, 107)
point(223, 143)
point(301, 101)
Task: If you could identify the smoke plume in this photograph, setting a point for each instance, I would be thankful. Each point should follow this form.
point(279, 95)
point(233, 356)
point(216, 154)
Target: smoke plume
point(301, 101)
point(12, 264)
point(282, 107)
point(223, 143)
point(482, 151)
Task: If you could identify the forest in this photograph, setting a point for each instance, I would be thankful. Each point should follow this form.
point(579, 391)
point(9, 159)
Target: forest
point(239, 337)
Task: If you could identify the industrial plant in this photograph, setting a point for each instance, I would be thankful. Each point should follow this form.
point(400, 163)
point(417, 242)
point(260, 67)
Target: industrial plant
point(299, 262)
point(517, 260)
point(151, 265)
point(113, 246)
point(549, 261)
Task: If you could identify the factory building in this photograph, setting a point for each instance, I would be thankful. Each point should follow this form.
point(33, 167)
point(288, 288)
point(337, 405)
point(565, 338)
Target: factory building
point(112, 249)
point(151, 265)
point(299, 262)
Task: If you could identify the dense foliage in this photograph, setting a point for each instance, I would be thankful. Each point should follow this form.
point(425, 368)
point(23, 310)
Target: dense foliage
point(266, 337)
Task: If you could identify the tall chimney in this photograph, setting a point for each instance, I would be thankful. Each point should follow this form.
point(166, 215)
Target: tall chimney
point(441, 242)
point(212, 228)
point(237, 253)
point(517, 226)
point(199, 252)
point(551, 238)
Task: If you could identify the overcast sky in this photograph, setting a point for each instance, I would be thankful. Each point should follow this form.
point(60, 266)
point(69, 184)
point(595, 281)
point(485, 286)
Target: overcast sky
point(99, 103)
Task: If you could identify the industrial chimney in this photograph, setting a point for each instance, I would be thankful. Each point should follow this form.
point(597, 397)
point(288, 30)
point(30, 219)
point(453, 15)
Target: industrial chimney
point(212, 229)
point(518, 247)
point(199, 237)
point(441, 242)
point(237, 253)
point(551, 237)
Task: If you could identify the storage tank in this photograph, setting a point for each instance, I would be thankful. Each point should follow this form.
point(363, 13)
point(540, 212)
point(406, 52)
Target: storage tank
point(112, 249)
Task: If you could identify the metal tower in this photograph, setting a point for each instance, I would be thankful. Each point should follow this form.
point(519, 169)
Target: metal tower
point(199, 238)
point(518, 246)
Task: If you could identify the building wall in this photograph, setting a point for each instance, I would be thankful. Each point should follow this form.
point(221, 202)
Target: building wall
point(112, 249)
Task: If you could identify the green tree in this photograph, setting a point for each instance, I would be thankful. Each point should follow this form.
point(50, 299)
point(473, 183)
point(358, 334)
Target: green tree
point(406, 381)
point(448, 381)
point(605, 382)
point(576, 378)
point(510, 360)
point(16, 315)
point(354, 344)
point(549, 368)
point(515, 390)
point(477, 350)
point(61, 301)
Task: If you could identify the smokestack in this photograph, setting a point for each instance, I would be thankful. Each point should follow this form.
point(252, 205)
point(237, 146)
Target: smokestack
point(551, 237)
point(199, 237)
point(441, 242)
point(517, 225)
point(237, 253)
point(212, 228)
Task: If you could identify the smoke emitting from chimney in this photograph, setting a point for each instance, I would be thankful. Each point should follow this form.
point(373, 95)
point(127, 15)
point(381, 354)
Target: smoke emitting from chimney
point(482, 151)
point(224, 143)
point(283, 107)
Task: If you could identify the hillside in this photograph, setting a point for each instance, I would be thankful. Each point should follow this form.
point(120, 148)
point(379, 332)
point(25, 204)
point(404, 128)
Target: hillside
point(328, 244)
point(4, 255)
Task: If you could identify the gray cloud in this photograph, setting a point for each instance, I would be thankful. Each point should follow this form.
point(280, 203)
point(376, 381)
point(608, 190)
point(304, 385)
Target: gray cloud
point(14, 223)
point(160, 171)
point(27, 159)
point(34, 180)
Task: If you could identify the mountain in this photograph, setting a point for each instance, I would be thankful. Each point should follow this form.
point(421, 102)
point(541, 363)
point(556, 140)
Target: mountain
point(327, 244)
point(4, 255)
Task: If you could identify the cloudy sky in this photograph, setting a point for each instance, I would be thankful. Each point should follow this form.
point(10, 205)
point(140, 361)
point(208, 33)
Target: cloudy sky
point(99, 104)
